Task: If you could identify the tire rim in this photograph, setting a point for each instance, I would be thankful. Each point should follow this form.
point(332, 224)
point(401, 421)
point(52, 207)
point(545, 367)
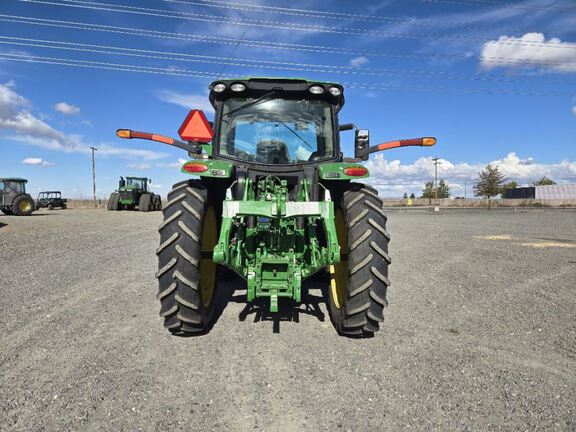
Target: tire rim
point(25, 206)
point(207, 266)
point(339, 271)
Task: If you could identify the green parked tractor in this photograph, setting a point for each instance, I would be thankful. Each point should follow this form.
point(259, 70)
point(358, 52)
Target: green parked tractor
point(13, 197)
point(276, 202)
point(133, 192)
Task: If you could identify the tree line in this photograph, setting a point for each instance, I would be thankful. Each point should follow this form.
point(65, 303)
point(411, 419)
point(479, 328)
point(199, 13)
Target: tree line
point(489, 183)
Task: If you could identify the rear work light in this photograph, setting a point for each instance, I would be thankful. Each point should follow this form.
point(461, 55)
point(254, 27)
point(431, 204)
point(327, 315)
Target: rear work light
point(355, 171)
point(237, 87)
point(335, 91)
point(316, 89)
point(195, 167)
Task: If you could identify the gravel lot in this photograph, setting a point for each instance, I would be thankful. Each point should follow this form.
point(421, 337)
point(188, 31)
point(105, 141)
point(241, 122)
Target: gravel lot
point(480, 334)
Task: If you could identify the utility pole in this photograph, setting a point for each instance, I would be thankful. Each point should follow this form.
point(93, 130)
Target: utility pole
point(436, 162)
point(465, 189)
point(94, 175)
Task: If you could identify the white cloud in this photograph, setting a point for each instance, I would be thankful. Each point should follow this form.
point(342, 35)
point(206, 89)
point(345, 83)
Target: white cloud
point(393, 178)
point(139, 165)
point(532, 50)
point(66, 108)
point(15, 116)
point(37, 161)
point(359, 61)
point(176, 165)
point(574, 110)
point(189, 101)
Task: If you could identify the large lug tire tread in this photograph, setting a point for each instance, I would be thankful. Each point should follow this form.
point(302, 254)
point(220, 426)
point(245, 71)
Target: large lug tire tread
point(7, 212)
point(144, 202)
point(113, 201)
point(179, 256)
point(16, 205)
point(368, 260)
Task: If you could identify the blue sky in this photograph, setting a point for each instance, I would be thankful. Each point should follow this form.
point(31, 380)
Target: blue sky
point(494, 81)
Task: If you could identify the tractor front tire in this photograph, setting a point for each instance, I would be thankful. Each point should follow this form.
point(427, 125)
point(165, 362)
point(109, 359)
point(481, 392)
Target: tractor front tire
point(144, 203)
point(358, 284)
point(113, 201)
point(7, 211)
point(187, 274)
point(23, 205)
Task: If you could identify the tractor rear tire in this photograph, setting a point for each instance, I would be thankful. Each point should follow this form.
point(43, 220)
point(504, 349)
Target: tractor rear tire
point(144, 203)
point(23, 205)
point(113, 201)
point(358, 284)
point(159, 203)
point(187, 274)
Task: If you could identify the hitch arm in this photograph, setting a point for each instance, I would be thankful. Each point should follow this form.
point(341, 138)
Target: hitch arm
point(426, 142)
point(191, 147)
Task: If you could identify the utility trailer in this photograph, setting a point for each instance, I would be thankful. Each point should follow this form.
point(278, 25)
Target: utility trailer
point(51, 200)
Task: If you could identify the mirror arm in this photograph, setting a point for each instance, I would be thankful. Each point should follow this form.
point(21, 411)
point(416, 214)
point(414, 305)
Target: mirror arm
point(192, 147)
point(419, 142)
point(346, 127)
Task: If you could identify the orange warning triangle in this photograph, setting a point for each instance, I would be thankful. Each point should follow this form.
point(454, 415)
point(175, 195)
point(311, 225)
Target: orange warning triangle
point(196, 127)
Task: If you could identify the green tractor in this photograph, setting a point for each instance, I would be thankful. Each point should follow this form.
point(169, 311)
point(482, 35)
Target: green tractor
point(133, 192)
point(276, 202)
point(13, 197)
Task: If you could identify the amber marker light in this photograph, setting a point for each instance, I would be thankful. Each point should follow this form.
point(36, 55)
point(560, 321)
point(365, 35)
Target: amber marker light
point(428, 141)
point(124, 133)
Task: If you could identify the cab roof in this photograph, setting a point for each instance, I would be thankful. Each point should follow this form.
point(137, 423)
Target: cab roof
point(257, 86)
point(14, 179)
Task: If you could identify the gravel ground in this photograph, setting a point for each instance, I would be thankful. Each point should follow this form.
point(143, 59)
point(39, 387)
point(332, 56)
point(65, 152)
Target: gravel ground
point(480, 334)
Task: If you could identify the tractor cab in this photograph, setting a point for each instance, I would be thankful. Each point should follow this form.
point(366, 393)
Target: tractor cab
point(12, 186)
point(130, 183)
point(276, 122)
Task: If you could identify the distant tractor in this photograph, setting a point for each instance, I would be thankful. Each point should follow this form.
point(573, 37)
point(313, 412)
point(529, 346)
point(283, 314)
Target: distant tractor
point(13, 197)
point(133, 192)
point(51, 200)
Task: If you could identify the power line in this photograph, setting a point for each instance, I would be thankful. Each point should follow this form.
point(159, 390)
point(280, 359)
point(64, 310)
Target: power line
point(274, 24)
point(315, 13)
point(290, 11)
point(265, 44)
point(254, 63)
point(204, 74)
point(498, 3)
